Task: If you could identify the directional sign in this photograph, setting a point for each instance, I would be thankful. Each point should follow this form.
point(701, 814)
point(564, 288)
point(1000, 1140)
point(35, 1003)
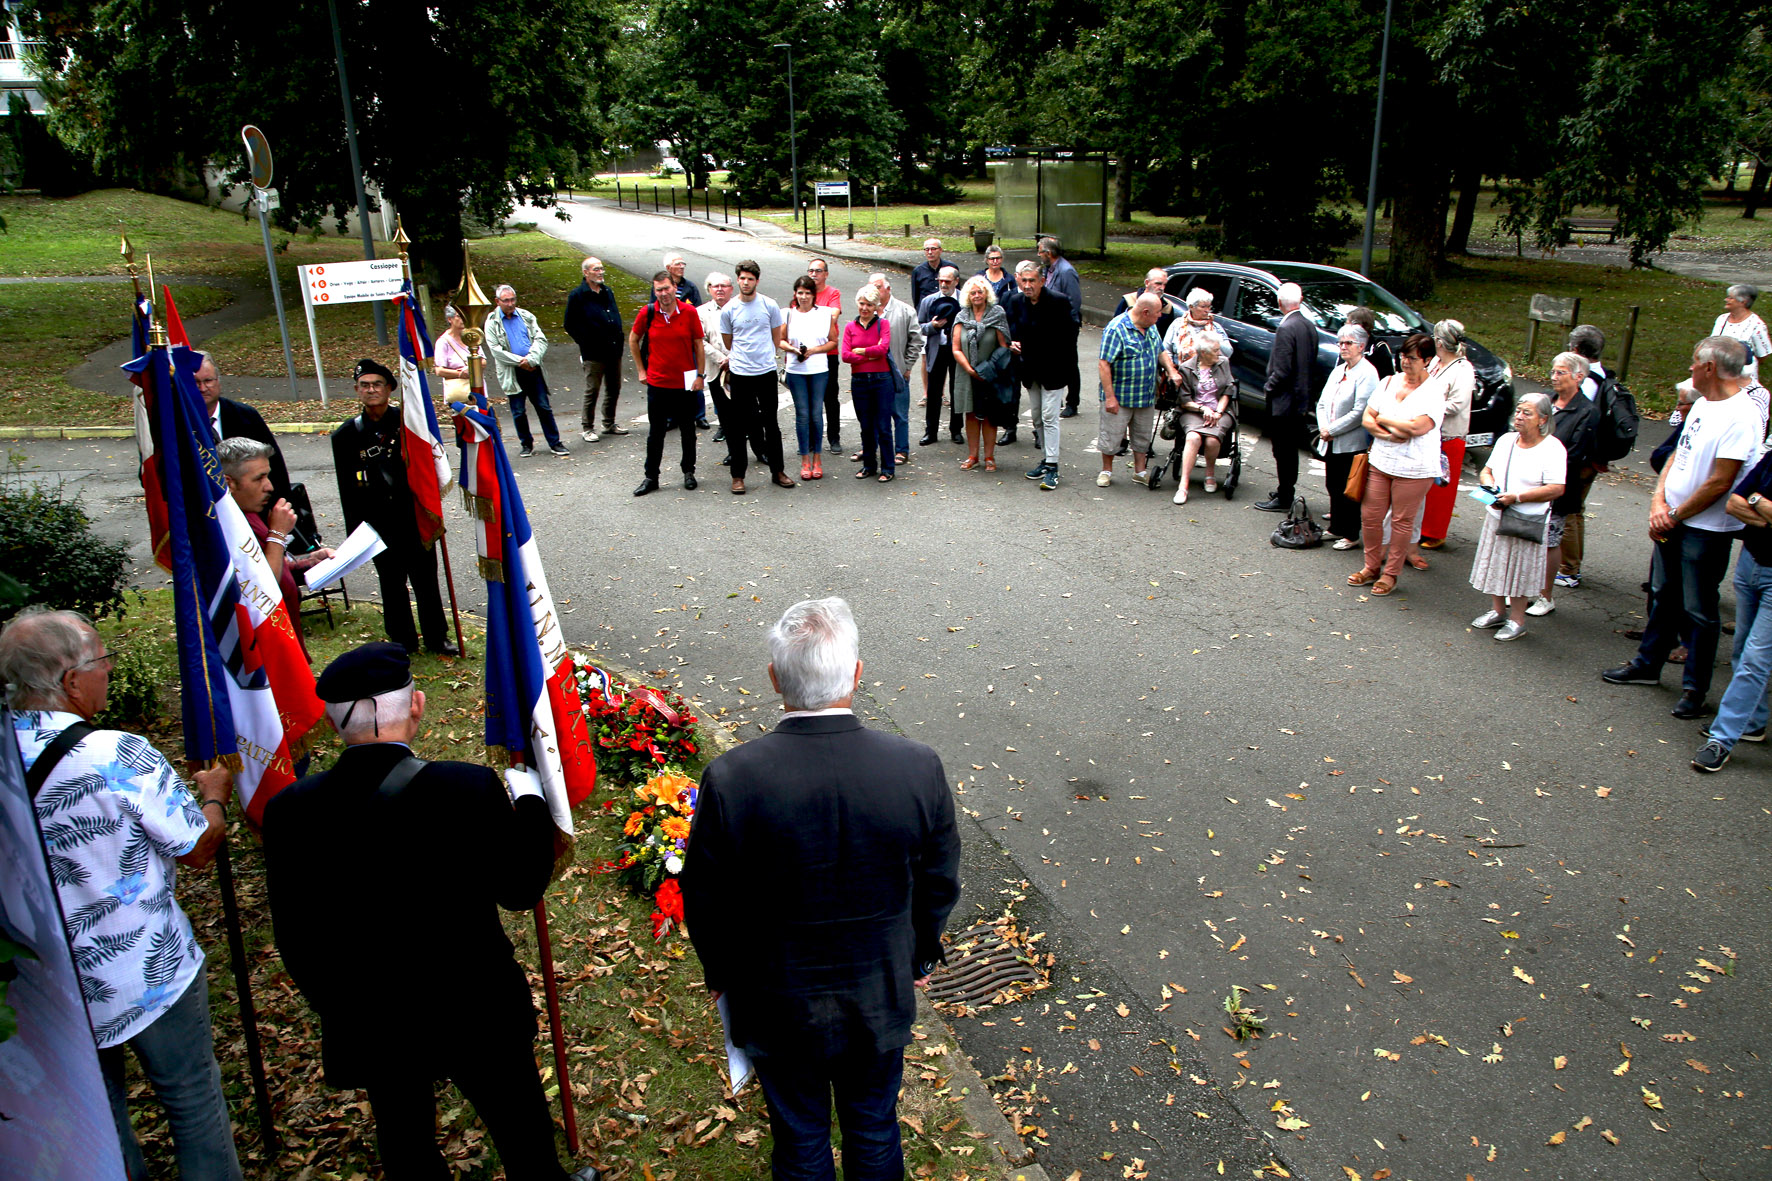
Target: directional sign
point(833, 188)
point(350, 282)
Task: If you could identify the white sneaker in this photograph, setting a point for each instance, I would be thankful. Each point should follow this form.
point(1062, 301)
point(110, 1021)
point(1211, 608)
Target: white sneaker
point(1103, 479)
point(1488, 619)
point(1541, 606)
point(1181, 495)
point(592, 436)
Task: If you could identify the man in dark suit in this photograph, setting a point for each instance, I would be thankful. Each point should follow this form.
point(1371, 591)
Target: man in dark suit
point(1289, 394)
point(821, 868)
point(372, 487)
point(229, 419)
point(373, 867)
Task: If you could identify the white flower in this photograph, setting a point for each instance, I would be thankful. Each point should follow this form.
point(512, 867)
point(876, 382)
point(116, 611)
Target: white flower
point(651, 839)
point(673, 864)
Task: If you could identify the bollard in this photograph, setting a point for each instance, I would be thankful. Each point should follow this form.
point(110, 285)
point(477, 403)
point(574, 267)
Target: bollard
point(618, 192)
point(805, 230)
point(1630, 338)
point(852, 230)
point(739, 201)
point(673, 200)
point(907, 229)
point(725, 209)
point(822, 243)
point(925, 221)
point(655, 198)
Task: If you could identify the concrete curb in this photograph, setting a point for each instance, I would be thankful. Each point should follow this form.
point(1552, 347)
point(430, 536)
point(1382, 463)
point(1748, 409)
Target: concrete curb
point(974, 1098)
point(126, 432)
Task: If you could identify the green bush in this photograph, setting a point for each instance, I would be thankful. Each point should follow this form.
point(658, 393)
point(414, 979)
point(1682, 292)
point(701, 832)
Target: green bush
point(137, 672)
point(47, 544)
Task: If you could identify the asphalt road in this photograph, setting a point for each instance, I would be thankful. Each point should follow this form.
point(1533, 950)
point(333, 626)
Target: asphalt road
point(1473, 888)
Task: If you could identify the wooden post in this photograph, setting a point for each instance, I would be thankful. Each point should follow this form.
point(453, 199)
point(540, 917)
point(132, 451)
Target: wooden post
point(552, 989)
point(1630, 338)
point(255, 1058)
point(449, 580)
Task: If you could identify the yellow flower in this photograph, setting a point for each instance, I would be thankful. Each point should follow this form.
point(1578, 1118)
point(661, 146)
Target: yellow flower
point(676, 828)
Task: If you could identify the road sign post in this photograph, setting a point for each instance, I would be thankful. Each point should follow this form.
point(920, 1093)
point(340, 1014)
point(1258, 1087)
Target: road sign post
point(326, 284)
point(258, 156)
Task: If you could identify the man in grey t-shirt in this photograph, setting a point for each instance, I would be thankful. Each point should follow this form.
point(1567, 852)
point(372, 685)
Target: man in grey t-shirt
point(751, 326)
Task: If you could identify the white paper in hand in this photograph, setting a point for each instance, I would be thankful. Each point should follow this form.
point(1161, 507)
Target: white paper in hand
point(361, 546)
point(738, 1063)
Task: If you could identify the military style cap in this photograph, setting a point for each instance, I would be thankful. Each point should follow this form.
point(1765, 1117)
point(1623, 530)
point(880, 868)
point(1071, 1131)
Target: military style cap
point(365, 672)
point(370, 366)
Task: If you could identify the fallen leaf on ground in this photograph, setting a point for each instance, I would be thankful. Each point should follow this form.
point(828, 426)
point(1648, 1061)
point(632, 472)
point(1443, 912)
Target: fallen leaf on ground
point(1520, 974)
point(1700, 1067)
point(1557, 1138)
point(1560, 1061)
point(1609, 1136)
point(1586, 1121)
point(1651, 1099)
point(1400, 978)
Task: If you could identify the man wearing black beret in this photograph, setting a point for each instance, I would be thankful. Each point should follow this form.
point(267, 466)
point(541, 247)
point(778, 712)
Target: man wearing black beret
point(372, 486)
point(386, 875)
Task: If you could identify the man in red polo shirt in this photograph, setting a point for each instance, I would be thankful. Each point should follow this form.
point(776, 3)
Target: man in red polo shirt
point(666, 342)
point(828, 296)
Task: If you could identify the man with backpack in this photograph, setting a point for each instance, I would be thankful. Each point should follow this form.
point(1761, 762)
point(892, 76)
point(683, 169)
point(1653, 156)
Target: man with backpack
point(1615, 434)
point(666, 342)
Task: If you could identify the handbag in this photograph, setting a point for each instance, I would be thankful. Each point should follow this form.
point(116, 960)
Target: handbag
point(1514, 521)
point(1356, 477)
point(1298, 530)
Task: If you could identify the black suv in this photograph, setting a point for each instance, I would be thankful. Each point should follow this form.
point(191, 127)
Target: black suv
point(1246, 300)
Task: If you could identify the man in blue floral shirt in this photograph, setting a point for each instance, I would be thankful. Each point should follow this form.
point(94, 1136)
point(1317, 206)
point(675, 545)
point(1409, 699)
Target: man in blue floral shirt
point(118, 822)
point(1129, 370)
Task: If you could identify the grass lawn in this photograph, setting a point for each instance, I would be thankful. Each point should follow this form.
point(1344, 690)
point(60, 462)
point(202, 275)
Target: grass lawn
point(645, 1045)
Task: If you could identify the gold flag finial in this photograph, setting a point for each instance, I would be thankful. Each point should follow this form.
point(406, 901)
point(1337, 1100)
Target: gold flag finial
point(128, 252)
point(156, 329)
point(473, 305)
point(402, 241)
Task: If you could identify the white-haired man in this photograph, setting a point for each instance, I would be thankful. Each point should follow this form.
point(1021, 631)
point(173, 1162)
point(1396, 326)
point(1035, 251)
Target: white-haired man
point(719, 285)
point(517, 344)
point(822, 865)
point(229, 419)
point(935, 317)
point(1129, 365)
point(675, 264)
point(925, 275)
point(907, 352)
point(346, 852)
point(1156, 281)
point(118, 822)
point(1289, 392)
point(593, 321)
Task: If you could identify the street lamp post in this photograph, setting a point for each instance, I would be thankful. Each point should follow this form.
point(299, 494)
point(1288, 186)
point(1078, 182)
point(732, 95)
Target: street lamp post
point(1384, 58)
point(793, 137)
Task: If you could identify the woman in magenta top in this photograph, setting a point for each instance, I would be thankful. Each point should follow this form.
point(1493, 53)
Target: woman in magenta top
point(867, 345)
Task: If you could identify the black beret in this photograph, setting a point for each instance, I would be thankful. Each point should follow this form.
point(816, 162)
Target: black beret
point(368, 366)
point(363, 672)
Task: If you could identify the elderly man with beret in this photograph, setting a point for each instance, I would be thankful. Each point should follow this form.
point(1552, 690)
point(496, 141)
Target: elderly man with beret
point(386, 875)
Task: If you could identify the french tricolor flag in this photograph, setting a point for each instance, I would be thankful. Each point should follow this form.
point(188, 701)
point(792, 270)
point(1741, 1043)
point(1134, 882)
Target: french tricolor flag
point(427, 464)
point(249, 693)
point(533, 713)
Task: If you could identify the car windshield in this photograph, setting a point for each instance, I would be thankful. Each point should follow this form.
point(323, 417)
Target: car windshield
point(1330, 301)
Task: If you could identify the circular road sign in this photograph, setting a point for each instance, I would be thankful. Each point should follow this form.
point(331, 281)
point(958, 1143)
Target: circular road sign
point(258, 155)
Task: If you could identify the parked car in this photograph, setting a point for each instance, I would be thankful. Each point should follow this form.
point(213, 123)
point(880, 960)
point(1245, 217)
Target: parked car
point(1246, 300)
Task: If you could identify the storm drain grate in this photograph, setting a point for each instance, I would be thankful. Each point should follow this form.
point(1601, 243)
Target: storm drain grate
point(981, 965)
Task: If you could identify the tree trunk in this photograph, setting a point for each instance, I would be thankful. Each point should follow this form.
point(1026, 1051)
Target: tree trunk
point(1469, 182)
point(1756, 190)
point(1123, 187)
point(1418, 229)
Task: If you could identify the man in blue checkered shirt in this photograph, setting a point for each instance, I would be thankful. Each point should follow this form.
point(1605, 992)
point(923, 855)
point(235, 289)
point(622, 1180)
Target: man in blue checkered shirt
point(1129, 371)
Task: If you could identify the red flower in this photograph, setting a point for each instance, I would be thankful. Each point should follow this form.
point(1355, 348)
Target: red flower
point(670, 899)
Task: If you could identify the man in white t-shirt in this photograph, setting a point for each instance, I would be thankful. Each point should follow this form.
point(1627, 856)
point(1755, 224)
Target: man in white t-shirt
point(1692, 529)
point(751, 328)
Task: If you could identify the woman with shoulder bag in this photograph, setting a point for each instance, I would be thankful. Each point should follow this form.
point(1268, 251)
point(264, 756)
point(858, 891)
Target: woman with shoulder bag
point(449, 357)
point(1458, 378)
point(1511, 552)
point(1403, 417)
point(1340, 408)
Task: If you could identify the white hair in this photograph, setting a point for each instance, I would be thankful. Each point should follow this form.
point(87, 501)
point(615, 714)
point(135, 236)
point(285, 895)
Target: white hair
point(990, 293)
point(1028, 266)
point(1354, 333)
point(1156, 273)
point(878, 279)
point(948, 270)
point(1725, 352)
point(1291, 295)
point(1575, 362)
point(355, 723)
point(502, 288)
point(935, 242)
point(672, 257)
point(717, 277)
point(37, 649)
point(870, 293)
point(592, 261)
point(235, 453)
point(1198, 296)
point(814, 647)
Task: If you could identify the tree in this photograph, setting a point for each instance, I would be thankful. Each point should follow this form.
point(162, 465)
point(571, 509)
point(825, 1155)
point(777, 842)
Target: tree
point(463, 107)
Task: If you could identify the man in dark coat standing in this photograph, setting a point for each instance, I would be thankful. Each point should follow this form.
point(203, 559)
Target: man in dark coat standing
point(821, 868)
point(229, 419)
point(593, 321)
point(366, 458)
point(1289, 394)
point(386, 875)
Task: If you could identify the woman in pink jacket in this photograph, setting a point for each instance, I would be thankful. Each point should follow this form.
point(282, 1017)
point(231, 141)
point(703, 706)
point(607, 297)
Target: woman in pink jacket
point(867, 344)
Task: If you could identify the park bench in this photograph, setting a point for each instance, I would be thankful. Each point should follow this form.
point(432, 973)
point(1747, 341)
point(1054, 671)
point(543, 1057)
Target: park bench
point(1594, 226)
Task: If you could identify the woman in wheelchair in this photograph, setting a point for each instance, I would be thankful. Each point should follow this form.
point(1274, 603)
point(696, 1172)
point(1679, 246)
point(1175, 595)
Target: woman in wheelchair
point(1202, 413)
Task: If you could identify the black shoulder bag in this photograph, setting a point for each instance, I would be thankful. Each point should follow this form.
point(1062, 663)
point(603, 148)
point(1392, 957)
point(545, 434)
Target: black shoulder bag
point(53, 754)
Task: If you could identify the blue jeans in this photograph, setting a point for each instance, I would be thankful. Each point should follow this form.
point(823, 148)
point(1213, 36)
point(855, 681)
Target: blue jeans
point(901, 412)
point(872, 394)
point(799, 1099)
point(177, 1053)
point(533, 386)
point(808, 392)
point(1685, 586)
point(1744, 707)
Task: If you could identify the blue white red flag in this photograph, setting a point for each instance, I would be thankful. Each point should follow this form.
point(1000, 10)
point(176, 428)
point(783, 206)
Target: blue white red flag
point(533, 712)
point(427, 464)
point(249, 697)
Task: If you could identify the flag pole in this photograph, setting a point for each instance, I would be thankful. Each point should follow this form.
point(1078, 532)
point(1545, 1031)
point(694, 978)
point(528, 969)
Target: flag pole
point(401, 240)
point(471, 301)
point(255, 1058)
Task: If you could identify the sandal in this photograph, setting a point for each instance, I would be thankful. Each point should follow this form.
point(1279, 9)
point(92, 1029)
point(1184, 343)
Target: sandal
point(885, 477)
point(864, 474)
point(990, 465)
point(817, 468)
point(1384, 586)
point(805, 468)
point(1362, 577)
point(1416, 561)
point(970, 462)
